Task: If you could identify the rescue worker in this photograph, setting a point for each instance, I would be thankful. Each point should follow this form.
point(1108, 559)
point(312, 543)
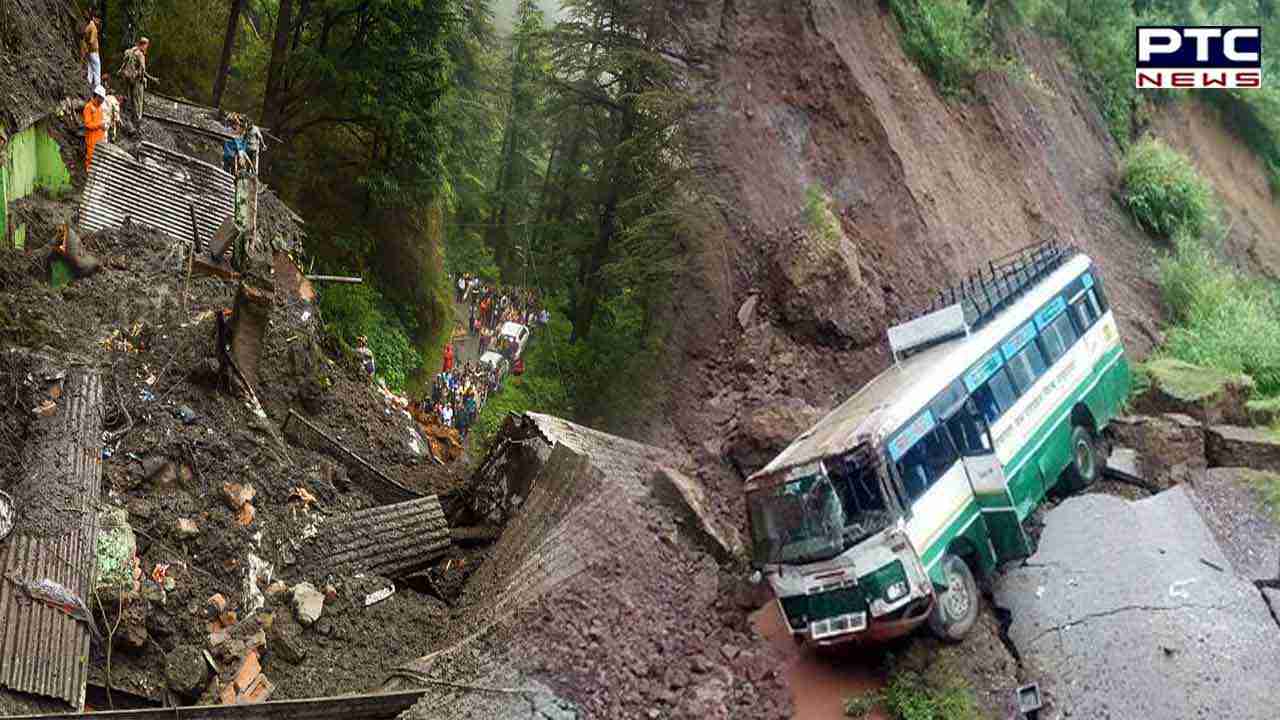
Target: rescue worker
point(94, 127)
point(89, 54)
point(134, 72)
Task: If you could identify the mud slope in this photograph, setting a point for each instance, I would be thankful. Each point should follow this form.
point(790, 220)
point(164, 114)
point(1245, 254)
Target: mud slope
point(1238, 176)
point(820, 95)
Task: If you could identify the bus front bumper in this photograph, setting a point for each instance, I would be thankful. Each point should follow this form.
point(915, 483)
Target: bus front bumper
point(880, 631)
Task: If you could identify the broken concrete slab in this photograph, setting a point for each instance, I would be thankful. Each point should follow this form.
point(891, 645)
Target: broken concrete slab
point(1234, 446)
point(1119, 605)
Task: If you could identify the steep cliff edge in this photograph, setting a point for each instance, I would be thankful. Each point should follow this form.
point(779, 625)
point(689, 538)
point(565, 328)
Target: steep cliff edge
point(776, 320)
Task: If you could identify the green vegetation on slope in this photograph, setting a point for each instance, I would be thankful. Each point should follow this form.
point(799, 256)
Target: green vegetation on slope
point(1222, 319)
point(948, 39)
point(350, 311)
point(1163, 191)
point(953, 40)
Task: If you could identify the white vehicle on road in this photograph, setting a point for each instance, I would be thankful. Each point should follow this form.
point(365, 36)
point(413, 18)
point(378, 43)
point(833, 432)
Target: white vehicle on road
point(495, 360)
point(517, 335)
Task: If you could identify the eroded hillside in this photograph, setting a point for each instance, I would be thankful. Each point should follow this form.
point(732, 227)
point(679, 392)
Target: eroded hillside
point(778, 321)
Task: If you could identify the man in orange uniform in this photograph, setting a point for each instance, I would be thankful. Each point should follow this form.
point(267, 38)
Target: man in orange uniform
point(94, 129)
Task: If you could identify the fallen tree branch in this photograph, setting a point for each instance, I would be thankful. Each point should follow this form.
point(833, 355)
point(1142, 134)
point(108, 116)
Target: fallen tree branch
point(336, 279)
point(293, 415)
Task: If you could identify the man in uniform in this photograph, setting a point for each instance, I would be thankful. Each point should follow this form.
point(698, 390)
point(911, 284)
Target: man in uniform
point(94, 126)
point(134, 72)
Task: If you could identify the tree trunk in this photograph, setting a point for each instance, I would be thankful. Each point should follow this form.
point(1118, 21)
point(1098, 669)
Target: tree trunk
point(272, 100)
point(228, 46)
point(589, 266)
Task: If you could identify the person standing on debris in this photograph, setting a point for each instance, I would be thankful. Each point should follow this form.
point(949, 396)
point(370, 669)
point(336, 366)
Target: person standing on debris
point(94, 127)
point(111, 113)
point(253, 143)
point(134, 71)
point(89, 54)
point(232, 149)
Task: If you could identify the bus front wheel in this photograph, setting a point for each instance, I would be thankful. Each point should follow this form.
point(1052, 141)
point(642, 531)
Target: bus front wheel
point(1083, 469)
point(956, 609)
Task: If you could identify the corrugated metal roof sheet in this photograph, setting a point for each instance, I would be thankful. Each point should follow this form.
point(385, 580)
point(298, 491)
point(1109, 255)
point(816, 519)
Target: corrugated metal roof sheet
point(156, 189)
point(42, 650)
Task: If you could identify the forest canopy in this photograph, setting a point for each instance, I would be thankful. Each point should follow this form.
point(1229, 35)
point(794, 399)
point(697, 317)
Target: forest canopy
point(533, 143)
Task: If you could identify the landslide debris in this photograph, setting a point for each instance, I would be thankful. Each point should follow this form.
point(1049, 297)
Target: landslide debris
point(175, 442)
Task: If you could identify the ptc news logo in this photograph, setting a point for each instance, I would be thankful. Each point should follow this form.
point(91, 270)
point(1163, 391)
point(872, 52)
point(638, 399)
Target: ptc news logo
point(1199, 57)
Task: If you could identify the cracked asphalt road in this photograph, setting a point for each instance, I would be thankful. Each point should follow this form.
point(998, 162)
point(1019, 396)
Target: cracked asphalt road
point(1122, 617)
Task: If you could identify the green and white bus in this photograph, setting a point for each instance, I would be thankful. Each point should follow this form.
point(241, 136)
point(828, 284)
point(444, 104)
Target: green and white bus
point(875, 520)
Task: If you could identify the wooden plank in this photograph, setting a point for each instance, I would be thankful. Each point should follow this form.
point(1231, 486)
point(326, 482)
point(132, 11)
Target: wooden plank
point(353, 707)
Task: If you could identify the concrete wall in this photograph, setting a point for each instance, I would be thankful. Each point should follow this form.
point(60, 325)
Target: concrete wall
point(31, 160)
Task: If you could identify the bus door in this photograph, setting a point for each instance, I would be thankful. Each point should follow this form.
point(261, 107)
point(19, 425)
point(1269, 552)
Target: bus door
point(968, 430)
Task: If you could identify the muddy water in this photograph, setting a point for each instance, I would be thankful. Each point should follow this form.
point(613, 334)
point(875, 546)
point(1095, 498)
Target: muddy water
point(819, 681)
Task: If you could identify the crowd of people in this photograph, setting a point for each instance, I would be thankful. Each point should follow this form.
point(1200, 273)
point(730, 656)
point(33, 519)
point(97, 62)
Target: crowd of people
point(460, 389)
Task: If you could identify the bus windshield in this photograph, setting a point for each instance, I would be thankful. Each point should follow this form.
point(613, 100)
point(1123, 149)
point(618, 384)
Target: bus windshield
point(817, 516)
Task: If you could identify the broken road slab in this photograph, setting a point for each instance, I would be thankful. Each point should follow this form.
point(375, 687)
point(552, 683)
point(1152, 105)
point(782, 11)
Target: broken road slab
point(1121, 607)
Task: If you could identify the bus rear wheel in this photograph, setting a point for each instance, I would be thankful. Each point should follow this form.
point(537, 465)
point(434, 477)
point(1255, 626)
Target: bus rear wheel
point(956, 609)
point(1083, 469)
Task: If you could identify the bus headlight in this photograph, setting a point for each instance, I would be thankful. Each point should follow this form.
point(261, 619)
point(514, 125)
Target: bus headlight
point(895, 591)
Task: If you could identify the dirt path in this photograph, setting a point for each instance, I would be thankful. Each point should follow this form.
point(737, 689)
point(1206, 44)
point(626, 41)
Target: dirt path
point(819, 683)
point(466, 348)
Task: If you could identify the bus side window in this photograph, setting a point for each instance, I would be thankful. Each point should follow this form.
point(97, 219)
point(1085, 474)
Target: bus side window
point(1057, 337)
point(968, 432)
point(1087, 310)
point(913, 468)
point(926, 462)
point(995, 396)
point(1026, 367)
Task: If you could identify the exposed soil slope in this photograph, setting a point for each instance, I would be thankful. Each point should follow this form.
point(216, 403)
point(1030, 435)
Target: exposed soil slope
point(1238, 176)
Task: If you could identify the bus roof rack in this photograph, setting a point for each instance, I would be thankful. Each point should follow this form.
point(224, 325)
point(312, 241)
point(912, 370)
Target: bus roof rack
point(993, 287)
